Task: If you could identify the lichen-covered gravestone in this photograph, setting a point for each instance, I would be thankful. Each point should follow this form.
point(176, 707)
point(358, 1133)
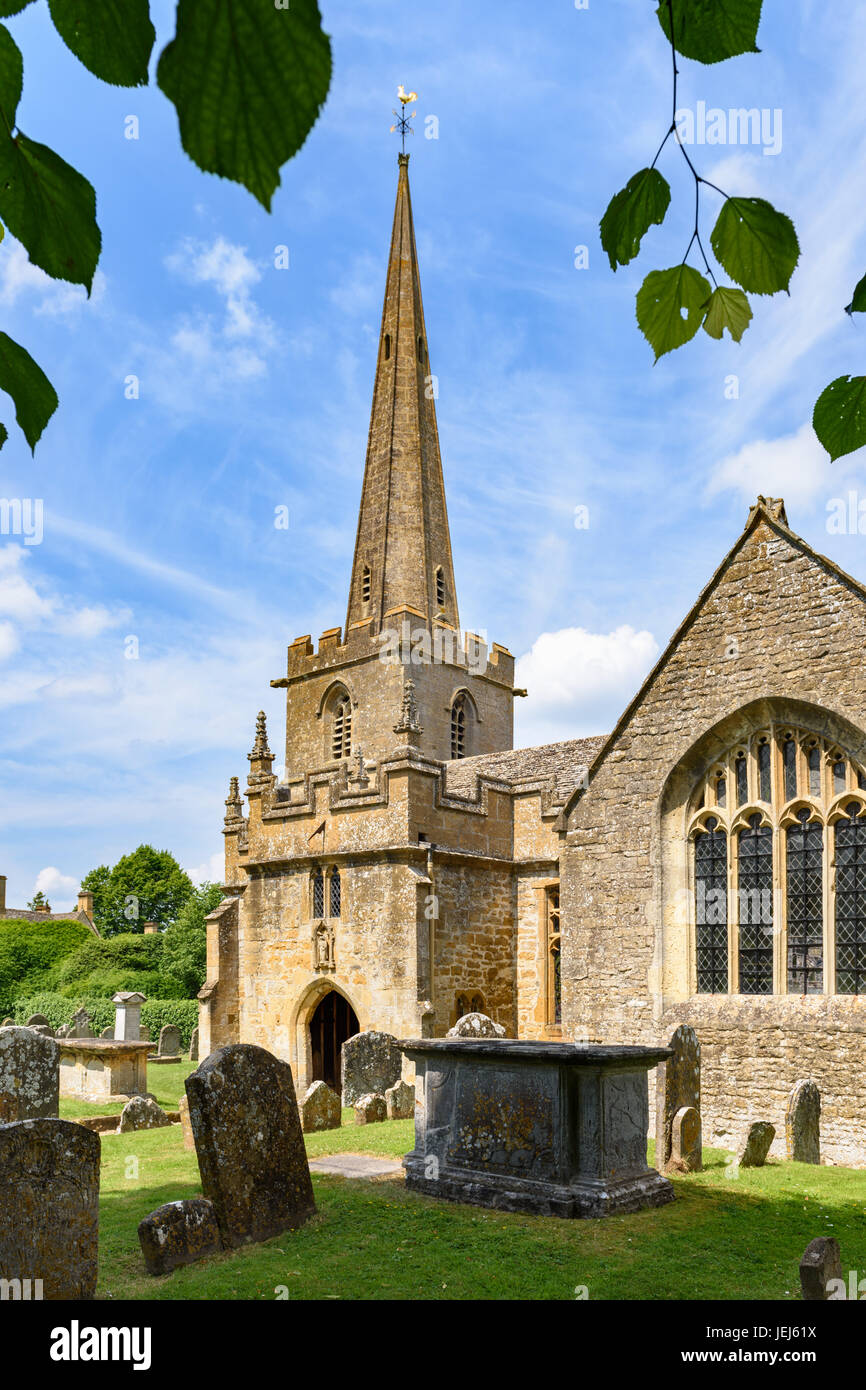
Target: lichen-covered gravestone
point(49, 1197)
point(179, 1233)
point(34, 1019)
point(371, 1063)
point(193, 1045)
point(141, 1112)
point(108, 1032)
point(476, 1026)
point(370, 1110)
point(757, 1145)
point(186, 1126)
point(400, 1101)
point(169, 1041)
point(80, 1026)
point(678, 1086)
point(320, 1108)
point(803, 1123)
point(249, 1143)
point(686, 1140)
point(29, 1075)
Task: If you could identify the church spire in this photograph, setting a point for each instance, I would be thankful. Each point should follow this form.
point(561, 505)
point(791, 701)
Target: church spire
point(403, 545)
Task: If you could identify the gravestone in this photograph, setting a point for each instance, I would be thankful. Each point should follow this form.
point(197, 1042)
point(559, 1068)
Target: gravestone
point(193, 1045)
point(108, 1032)
point(678, 1086)
point(370, 1110)
point(249, 1143)
point(821, 1262)
point(49, 1196)
point(179, 1233)
point(757, 1145)
point(127, 1015)
point(29, 1075)
point(320, 1109)
point(803, 1123)
point(43, 1029)
point(36, 1018)
point(476, 1026)
point(141, 1112)
point(400, 1101)
point(169, 1041)
point(80, 1026)
point(8, 1023)
point(183, 1109)
point(686, 1140)
point(144, 1034)
point(371, 1063)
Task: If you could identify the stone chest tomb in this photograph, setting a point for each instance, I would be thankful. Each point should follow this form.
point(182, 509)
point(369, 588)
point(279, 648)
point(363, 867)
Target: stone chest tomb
point(558, 1129)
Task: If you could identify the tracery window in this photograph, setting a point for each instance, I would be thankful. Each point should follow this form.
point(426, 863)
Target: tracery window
point(778, 831)
point(458, 727)
point(318, 893)
point(335, 891)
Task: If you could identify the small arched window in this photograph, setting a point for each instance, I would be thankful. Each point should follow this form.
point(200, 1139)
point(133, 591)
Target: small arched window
point(341, 738)
point(420, 349)
point(387, 346)
point(318, 893)
point(458, 727)
point(366, 584)
point(335, 892)
point(440, 587)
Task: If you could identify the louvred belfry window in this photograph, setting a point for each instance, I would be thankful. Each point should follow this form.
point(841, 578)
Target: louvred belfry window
point(779, 877)
point(341, 745)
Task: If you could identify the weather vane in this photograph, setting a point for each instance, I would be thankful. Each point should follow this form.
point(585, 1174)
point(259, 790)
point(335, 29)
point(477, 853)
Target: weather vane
point(404, 117)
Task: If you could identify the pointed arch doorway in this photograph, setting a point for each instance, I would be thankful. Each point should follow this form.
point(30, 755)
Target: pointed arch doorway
point(333, 1021)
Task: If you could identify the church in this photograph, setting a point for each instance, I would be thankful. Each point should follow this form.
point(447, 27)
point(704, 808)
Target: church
point(703, 863)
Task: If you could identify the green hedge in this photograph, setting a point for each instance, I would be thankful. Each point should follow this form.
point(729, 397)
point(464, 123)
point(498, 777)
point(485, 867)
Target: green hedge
point(30, 953)
point(129, 960)
point(58, 1009)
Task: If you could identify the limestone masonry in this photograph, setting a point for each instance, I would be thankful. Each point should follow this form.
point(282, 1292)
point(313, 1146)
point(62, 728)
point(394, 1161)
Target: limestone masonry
point(702, 865)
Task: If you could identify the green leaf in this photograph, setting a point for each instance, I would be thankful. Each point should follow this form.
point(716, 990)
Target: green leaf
point(11, 78)
point(112, 38)
point(34, 396)
point(248, 80)
point(630, 214)
point(712, 30)
point(670, 307)
point(727, 308)
point(10, 7)
point(4, 435)
point(858, 303)
point(757, 245)
point(50, 208)
point(839, 417)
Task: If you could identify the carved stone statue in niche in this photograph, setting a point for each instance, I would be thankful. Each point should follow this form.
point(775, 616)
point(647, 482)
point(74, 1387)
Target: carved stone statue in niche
point(323, 947)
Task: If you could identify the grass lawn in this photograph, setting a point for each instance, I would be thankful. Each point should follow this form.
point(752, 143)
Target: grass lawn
point(727, 1238)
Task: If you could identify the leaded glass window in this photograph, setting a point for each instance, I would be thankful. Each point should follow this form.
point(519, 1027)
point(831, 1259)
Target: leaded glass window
point(805, 905)
point(711, 917)
point(755, 898)
point(838, 778)
point(318, 893)
point(721, 792)
point(789, 760)
point(458, 728)
point(814, 772)
point(764, 771)
point(851, 901)
point(335, 887)
point(742, 774)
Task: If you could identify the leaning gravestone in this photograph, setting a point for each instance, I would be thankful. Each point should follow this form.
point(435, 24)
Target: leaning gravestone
point(821, 1262)
point(400, 1101)
point(179, 1234)
point(371, 1063)
point(169, 1041)
point(193, 1045)
point(476, 1026)
point(249, 1143)
point(141, 1112)
point(803, 1123)
point(80, 1026)
point(678, 1086)
point(757, 1145)
point(320, 1109)
point(49, 1196)
point(29, 1075)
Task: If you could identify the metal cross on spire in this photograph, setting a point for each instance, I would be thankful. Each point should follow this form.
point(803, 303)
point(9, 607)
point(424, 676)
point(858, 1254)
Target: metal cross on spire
point(404, 117)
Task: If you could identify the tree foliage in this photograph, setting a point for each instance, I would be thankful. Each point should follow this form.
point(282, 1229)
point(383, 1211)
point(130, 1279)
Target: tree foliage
point(247, 78)
point(185, 954)
point(146, 886)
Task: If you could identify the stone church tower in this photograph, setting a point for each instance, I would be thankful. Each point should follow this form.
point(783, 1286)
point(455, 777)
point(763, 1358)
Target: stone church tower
point(375, 887)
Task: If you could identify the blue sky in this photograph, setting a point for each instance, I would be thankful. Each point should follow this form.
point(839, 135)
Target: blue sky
point(255, 388)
